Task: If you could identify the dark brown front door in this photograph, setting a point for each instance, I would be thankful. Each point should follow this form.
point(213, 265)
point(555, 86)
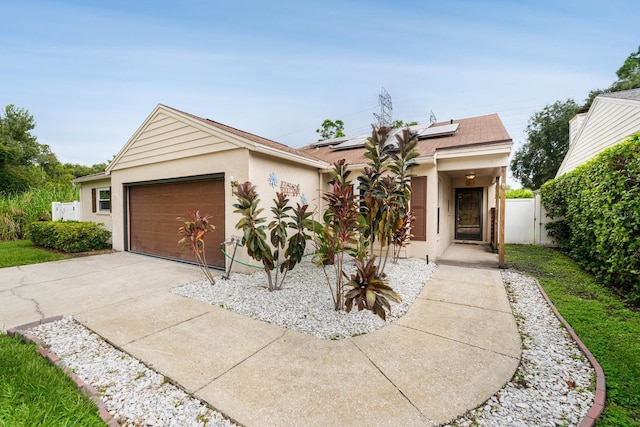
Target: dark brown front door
point(153, 209)
point(468, 214)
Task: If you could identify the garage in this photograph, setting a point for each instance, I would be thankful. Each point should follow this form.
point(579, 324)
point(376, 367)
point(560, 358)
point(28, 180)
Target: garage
point(154, 207)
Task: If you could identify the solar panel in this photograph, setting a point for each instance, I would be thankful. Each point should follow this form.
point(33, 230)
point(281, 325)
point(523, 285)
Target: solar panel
point(353, 142)
point(434, 131)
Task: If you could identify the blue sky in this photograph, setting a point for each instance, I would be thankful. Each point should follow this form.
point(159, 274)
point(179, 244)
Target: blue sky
point(91, 71)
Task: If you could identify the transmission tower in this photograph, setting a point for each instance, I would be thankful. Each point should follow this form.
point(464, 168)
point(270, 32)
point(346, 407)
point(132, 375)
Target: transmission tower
point(432, 118)
point(386, 109)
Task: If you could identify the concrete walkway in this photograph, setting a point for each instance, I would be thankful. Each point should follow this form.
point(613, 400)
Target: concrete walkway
point(456, 346)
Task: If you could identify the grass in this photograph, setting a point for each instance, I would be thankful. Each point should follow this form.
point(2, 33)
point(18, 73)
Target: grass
point(22, 252)
point(18, 210)
point(35, 393)
point(600, 318)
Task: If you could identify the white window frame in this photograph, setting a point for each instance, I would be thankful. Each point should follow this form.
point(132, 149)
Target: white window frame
point(100, 200)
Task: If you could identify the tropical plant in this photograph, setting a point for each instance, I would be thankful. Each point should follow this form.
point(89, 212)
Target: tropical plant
point(193, 230)
point(385, 185)
point(402, 235)
point(338, 235)
point(287, 250)
point(369, 290)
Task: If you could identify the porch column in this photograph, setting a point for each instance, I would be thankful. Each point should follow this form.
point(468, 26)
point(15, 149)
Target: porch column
point(503, 194)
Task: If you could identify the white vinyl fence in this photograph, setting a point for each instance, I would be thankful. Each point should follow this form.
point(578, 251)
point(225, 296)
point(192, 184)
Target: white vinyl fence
point(66, 211)
point(525, 221)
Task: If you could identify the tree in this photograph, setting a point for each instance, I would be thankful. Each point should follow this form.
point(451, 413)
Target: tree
point(539, 158)
point(26, 163)
point(629, 73)
point(331, 129)
point(628, 78)
point(401, 124)
point(19, 149)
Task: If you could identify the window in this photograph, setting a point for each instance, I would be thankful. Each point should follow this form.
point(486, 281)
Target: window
point(439, 198)
point(101, 199)
point(419, 207)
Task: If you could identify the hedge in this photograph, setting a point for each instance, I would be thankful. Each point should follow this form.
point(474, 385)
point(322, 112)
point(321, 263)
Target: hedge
point(69, 236)
point(597, 213)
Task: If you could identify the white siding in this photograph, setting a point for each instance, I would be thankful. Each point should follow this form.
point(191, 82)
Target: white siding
point(609, 122)
point(167, 138)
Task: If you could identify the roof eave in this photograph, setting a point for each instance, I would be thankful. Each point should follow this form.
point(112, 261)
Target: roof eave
point(89, 178)
point(274, 152)
point(498, 147)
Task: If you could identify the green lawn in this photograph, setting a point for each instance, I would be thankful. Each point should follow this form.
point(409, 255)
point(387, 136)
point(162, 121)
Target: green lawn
point(600, 318)
point(35, 393)
point(22, 252)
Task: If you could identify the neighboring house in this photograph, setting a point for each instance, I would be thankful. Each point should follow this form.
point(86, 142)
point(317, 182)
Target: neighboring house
point(611, 118)
point(176, 162)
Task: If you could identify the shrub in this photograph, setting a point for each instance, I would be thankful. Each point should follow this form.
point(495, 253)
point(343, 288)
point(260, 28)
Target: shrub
point(69, 236)
point(597, 208)
point(519, 193)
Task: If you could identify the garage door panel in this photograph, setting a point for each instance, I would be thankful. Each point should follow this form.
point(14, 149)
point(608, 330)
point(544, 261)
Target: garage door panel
point(153, 210)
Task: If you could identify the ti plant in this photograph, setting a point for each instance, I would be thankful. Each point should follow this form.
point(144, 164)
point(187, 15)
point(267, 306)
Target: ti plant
point(369, 290)
point(281, 252)
point(194, 227)
point(386, 190)
point(339, 233)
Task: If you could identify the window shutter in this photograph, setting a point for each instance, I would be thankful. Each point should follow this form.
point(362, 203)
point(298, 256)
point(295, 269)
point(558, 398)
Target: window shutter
point(109, 198)
point(93, 200)
point(419, 207)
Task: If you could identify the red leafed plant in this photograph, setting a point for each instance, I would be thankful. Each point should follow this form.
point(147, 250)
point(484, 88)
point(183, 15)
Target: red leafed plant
point(192, 232)
point(369, 290)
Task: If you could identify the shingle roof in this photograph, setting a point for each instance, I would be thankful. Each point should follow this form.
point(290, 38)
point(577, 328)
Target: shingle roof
point(472, 132)
point(633, 94)
point(249, 136)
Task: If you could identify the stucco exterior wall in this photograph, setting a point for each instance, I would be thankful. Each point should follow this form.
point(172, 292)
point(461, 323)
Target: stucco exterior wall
point(85, 201)
point(259, 170)
point(227, 163)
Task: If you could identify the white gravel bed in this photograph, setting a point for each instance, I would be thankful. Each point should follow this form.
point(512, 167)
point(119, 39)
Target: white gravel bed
point(552, 386)
point(554, 383)
point(133, 394)
point(305, 304)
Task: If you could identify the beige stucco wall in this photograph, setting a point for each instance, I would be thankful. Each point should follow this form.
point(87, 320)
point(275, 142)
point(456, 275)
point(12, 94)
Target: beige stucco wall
point(231, 162)
point(259, 168)
point(85, 201)
point(241, 164)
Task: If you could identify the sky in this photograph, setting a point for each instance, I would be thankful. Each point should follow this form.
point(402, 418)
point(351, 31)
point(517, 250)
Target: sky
point(90, 72)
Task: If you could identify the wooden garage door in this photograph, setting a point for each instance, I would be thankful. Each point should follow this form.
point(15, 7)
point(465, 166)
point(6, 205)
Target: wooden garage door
point(153, 209)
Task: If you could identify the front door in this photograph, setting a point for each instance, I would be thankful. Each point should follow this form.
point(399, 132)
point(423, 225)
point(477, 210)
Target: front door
point(468, 214)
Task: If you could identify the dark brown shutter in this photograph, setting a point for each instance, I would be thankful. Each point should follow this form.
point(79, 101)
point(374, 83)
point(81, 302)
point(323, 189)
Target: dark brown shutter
point(419, 207)
point(109, 198)
point(93, 200)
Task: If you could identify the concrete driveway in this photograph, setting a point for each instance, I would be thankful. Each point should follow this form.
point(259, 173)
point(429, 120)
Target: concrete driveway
point(72, 286)
point(456, 346)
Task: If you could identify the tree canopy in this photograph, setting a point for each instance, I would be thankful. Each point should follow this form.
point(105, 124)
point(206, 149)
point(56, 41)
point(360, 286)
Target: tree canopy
point(538, 160)
point(540, 157)
point(628, 78)
point(24, 162)
point(401, 124)
point(331, 129)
